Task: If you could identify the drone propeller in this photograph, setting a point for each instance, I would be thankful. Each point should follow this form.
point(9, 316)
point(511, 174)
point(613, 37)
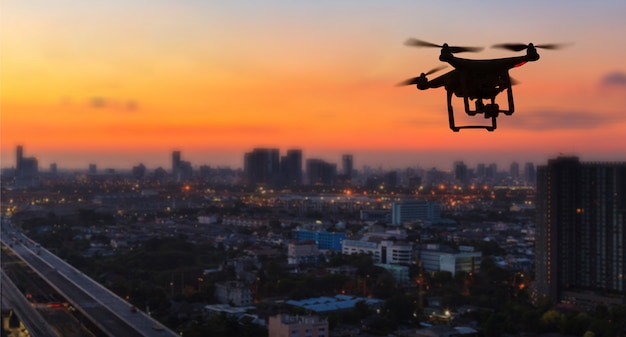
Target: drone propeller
point(521, 46)
point(422, 77)
point(453, 49)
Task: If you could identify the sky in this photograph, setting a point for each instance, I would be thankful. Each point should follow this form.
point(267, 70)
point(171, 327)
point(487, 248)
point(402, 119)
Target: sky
point(118, 83)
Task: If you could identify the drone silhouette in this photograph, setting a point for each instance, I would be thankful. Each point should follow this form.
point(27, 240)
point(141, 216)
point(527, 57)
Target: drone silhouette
point(476, 80)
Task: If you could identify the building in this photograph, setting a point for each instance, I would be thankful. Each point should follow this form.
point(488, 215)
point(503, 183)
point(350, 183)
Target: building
point(320, 172)
point(324, 240)
point(415, 210)
point(302, 252)
point(381, 250)
point(26, 170)
point(530, 174)
point(291, 168)
point(298, 326)
point(235, 293)
point(580, 244)
point(262, 167)
point(460, 172)
point(436, 257)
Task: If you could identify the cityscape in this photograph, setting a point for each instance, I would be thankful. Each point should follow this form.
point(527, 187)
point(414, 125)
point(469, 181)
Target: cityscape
point(312, 168)
point(293, 244)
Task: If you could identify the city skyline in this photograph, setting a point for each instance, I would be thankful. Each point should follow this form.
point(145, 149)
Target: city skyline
point(170, 159)
point(216, 80)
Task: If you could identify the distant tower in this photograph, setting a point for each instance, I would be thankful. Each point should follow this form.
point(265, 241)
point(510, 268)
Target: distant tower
point(460, 172)
point(348, 165)
point(18, 160)
point(530, 174)
point(262, 167)
point(514, 170)
point(291, 168)
point(175, 163)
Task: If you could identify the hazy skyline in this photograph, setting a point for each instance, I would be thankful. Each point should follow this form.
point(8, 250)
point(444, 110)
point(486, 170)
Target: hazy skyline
point(122, 83)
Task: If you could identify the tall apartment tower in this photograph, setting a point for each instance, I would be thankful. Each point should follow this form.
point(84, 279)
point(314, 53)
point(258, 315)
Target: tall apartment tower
point(530, 174)
point(262, 167)
point(291, 168)
point(18, 160)
point(460, 172)
point(347, 165)
point(581, 232)
point(175, 163)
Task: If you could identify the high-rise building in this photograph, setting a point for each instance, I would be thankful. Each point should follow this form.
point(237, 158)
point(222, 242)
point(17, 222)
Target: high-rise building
point(175, 163)
point(514, 170)
point(581, 232)
point(530, 175)
point(18, 160)
point(460, 172)
point(262, 167)
point(320, 172)
point(291, 168)
point(26, 170)
point(347, 165)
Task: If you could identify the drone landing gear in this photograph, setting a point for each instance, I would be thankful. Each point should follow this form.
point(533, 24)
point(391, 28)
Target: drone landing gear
point(490, 110)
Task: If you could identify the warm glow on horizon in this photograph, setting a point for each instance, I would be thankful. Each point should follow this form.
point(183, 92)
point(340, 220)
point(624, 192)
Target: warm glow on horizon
point(115, 81)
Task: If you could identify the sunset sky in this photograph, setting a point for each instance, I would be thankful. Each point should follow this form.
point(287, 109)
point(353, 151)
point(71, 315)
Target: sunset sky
point(120, 83)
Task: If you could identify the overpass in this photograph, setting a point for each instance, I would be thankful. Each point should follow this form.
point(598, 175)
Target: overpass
point(109, 312)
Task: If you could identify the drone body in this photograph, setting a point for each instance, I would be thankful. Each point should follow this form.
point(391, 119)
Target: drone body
point(476, 80)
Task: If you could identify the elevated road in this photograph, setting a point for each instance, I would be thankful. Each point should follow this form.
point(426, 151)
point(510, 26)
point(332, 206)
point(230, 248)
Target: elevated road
point(31, 319)
point(106, 310)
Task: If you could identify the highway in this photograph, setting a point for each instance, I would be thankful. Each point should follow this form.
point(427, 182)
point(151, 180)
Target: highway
point(106, 310)
point(28, 315)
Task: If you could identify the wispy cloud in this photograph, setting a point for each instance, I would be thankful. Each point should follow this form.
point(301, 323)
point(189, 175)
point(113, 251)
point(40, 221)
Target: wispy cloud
point(614, 79)
point(101, 102)
point(544, 120)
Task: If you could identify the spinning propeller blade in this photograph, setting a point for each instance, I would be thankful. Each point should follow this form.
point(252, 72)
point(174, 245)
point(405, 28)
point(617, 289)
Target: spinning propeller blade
point(422, 77)
point(521, 46)
point(453, 49)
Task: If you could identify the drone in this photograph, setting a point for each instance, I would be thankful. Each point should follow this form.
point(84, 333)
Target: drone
point(476, 80)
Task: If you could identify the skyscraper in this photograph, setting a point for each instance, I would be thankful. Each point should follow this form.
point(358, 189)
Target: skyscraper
point(262, 167)
point(347, 162)
point(291, 168)
point(175, 163)
point(581, 232)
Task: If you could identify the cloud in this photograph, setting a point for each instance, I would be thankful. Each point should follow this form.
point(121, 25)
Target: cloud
point(553, 120)
point(614, 79)
point(100, 102)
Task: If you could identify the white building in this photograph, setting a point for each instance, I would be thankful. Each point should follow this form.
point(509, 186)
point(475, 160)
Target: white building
point(436, 257)
point(302, 252)
point(235, 293)
point(382, 251)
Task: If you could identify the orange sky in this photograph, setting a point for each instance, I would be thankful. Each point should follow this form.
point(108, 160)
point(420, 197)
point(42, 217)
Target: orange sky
point(118, 83)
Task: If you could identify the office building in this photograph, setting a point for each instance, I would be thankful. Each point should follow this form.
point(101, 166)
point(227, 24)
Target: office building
point(415, 211)
point(581, 232)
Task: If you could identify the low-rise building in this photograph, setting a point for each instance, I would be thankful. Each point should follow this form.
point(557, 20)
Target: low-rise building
point(436, 257)
point(235, 293)
point(302, 252)
point(298, 326)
